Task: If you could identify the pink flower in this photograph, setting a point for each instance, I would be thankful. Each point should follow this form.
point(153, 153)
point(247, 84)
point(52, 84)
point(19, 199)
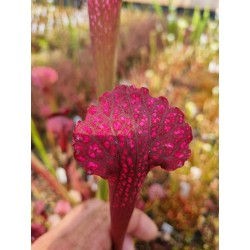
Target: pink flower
point(39, 207)
point(62, 207)
point(155, 191)
point(60, 127)
point(43, 77)
point(124, 137)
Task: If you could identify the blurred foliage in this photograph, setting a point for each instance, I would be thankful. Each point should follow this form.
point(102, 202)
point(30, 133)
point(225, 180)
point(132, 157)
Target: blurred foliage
point(174, 56)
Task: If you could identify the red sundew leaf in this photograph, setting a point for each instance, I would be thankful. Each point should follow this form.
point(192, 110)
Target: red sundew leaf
point(36, 231)
point(125, 136)
point(104, 16)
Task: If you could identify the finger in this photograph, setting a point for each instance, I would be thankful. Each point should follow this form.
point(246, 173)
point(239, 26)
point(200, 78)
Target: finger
point(79, 228)
point(69, 223)
point(128, 243)
point(141, 226)
point(92, 233)
point(77, 215)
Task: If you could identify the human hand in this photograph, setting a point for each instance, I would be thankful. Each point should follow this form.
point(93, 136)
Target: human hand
point(87, 227)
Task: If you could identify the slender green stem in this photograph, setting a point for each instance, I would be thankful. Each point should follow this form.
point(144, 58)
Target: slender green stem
point(36, 139)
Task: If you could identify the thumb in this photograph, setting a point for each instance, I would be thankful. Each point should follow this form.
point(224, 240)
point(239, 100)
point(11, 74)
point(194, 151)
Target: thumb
point(142, 227)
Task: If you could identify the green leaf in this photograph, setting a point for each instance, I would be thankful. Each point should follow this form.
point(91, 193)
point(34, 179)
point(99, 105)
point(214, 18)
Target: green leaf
point(158, 9)
point(36, 139)
point(102, 192)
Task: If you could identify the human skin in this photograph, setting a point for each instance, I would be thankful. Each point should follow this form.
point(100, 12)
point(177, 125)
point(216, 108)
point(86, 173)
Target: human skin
point(87, 227)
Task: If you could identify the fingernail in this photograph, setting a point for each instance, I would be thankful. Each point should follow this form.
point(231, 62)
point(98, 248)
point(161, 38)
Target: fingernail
point(128, 243)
